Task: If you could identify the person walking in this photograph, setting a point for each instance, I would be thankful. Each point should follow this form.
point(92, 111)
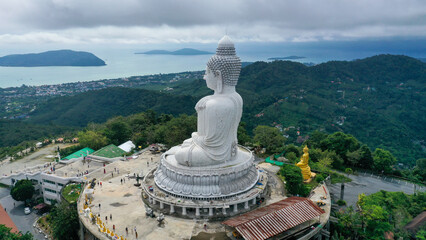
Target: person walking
point(110, 217)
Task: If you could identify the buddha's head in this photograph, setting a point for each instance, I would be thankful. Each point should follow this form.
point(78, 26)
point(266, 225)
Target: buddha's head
point(223, 68)
point(306, 149)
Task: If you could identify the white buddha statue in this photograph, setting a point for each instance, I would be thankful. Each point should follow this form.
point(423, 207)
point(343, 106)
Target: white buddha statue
point(219, 115)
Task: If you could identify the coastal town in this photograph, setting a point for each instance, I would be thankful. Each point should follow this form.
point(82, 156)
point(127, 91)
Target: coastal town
point(18, 102)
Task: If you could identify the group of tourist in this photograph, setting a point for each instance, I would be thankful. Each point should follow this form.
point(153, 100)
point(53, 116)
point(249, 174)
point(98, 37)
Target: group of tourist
point(114, 229)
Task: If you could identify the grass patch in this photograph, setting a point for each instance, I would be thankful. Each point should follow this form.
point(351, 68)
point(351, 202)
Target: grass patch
point(2, 185)
point(338, 178)
point(71, 192)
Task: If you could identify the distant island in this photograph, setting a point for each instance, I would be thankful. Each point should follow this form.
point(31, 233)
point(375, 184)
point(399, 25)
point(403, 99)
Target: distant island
point(183, 51)
point(286, 58)
point(52, 58)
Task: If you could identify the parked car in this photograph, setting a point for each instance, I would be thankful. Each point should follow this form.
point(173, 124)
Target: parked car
point(27, 210)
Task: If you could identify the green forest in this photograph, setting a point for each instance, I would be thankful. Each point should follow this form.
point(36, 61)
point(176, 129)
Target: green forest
point(379, 100)
point(338, 150)
point(379, 213)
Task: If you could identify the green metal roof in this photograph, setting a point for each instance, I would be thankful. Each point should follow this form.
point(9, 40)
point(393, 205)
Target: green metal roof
point(80, 153)
point(110, 151)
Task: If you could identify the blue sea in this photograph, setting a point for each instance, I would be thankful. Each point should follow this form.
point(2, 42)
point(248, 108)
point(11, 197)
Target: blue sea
point(122, 62)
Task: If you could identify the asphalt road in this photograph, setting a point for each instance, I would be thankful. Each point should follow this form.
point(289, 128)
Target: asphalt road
point(22, 221)
point(369, 184)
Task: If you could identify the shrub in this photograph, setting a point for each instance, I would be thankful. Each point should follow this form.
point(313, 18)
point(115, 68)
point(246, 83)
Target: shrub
point(294, 180)
point(341, 202)
point(320, 178)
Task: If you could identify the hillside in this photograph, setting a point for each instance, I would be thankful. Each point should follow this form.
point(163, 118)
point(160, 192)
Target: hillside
point(51, 58)
point(99, 106)
point(380, 100)
point(15, 132)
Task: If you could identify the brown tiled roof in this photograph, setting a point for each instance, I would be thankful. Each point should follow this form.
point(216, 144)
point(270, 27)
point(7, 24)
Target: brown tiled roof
point(274, 219)
point(6, 220)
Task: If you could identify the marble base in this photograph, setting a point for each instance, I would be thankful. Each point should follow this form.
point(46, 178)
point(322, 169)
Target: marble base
point(210, 182)
point(212, 209)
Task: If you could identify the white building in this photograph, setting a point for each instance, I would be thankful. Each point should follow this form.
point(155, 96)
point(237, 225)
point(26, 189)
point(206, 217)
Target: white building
point(47, 185)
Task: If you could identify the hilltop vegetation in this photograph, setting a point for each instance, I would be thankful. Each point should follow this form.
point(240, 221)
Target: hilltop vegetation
point(379, 100)
point(99, 106)
point(14, 132)
point(379, 213)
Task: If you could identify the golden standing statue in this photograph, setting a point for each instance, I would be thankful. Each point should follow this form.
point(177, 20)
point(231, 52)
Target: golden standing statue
point(303, 165)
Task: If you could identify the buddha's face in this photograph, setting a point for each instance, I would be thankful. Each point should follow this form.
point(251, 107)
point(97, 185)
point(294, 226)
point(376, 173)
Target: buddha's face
point(211, 79)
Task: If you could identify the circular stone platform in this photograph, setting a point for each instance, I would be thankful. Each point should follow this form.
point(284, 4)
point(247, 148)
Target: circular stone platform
point(210, 182)
point(216, 191)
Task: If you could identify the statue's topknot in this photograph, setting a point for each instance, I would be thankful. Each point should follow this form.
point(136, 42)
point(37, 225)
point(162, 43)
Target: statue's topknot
point(226, 61)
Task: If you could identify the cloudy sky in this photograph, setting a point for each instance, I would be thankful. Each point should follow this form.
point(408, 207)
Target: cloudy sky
point(188, 21)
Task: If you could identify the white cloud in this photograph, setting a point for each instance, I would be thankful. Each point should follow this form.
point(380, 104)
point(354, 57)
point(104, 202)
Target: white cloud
point(153, 21)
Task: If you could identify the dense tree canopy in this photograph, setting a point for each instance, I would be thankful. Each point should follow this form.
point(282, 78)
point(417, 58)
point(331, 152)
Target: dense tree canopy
point(23, 190)
point(383, 160)
point(342, 144)
point(269, 138)
point(91, 139)
point(294, 180)
point(6, 234)
point(64, 221)
point(117, 130)
point(380, 212)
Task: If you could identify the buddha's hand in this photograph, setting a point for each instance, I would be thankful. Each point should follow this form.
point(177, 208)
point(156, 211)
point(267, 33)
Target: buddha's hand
point(187, 142)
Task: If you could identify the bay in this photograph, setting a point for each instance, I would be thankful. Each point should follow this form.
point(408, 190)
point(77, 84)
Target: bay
point(122, 62)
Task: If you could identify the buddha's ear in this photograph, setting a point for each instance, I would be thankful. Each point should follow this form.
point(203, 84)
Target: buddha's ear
point(219, 81)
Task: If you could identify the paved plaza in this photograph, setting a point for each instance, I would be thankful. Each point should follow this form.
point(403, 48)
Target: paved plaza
point(123, 201)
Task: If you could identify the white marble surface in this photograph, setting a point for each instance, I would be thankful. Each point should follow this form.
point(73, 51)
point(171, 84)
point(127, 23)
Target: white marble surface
point(219, 115)
point(210, 164)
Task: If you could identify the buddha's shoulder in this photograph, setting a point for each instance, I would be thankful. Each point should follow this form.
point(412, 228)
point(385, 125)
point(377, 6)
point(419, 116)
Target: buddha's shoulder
point(222, 99)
